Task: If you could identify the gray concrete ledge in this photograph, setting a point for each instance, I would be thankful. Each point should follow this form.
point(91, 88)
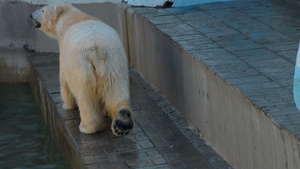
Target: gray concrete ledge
point(228, 68)
point(44, 94)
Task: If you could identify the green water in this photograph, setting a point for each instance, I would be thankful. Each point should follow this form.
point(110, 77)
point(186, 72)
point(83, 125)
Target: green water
point(25, 141)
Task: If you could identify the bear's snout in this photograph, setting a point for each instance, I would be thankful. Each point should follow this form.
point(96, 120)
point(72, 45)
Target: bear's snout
point(37, 24)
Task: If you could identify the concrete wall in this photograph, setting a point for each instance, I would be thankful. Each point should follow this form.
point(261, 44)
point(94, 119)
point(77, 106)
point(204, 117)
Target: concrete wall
point(18, 32)
point(18, 35)
point(226, 118)
point(14, 66)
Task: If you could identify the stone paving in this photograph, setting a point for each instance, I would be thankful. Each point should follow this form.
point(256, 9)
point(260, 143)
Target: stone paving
point(252, 44)
point(161, 138)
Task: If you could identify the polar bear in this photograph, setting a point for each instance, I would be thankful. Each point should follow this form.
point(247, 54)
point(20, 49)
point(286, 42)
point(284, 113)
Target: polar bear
point(93, 67)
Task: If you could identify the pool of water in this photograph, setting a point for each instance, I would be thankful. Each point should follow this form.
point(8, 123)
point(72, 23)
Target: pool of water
point(25, 141)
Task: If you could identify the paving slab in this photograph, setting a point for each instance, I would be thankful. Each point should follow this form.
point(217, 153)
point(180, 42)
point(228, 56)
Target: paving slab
point(241, 41)
point(161, 138)
point(249, 44)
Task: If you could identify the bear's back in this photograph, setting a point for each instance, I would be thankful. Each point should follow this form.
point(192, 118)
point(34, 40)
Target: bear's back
point(92, 32)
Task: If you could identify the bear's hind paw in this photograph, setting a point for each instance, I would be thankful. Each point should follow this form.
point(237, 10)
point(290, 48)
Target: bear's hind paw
point(123, 123)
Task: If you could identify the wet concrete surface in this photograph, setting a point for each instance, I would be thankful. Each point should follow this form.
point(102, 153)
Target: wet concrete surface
point(161, 138)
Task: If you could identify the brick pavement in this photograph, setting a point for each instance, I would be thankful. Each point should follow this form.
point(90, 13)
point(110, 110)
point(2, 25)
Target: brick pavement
point(243, 42)
point(252, 44)
point(161, 138)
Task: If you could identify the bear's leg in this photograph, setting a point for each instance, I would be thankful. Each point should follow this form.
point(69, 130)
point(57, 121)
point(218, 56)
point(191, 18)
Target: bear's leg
point(67, 96)
point(92, 120)
point(122, 118)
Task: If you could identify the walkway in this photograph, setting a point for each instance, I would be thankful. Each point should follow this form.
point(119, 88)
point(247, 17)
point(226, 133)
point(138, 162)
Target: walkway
point(251, 44)
point(160, 139)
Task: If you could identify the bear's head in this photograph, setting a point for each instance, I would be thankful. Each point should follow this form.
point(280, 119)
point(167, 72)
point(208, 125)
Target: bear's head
point(47, 17)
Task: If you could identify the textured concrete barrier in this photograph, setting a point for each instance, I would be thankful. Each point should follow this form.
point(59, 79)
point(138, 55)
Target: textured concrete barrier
point(14, 66)
point(18, 32)
point(52, 116)
point(177, 63)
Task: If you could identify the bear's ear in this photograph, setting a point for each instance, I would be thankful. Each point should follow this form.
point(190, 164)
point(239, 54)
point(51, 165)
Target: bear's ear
point(68, 3)
point(57, 11)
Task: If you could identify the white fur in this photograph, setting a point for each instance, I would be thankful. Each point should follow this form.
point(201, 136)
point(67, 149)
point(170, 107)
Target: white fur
point(93, 66)
point(78, 61)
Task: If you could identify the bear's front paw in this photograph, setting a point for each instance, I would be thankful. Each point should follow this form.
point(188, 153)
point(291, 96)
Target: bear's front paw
point(69, 106)
point(123, 123)
point(91, 127)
